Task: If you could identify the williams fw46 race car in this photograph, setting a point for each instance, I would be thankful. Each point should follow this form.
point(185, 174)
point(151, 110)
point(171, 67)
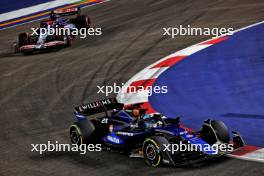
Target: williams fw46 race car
point(47, 35)
point(129, 130)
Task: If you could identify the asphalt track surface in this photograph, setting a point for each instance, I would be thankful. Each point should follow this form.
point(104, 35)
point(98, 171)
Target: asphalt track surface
point(38, 92)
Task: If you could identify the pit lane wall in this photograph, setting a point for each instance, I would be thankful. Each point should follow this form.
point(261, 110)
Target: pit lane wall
point(15, 12)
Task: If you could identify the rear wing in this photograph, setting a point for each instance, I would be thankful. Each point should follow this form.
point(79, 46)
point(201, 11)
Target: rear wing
point(98, 107)
point(67, 12)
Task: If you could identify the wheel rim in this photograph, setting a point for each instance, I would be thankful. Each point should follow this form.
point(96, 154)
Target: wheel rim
point(151, 152)
point(76, 136)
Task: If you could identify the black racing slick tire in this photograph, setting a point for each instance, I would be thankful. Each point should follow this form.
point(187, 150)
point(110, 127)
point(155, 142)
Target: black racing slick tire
point(69, 40)
point(153, 151)
point(76, 135)
point(82, 132)
point(23, 39)
point(82, 21)
point(215, 130)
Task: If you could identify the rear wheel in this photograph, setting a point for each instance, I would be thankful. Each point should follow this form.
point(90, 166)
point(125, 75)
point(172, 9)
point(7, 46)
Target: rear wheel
point(82, 132)
point(83, 21)
point(69, 41)
point(76, 134)
point(23, 39)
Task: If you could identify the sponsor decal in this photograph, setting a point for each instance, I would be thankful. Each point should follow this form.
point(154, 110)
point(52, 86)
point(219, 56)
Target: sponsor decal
point(189, 135)
point(104, 120)
point(95, 104)
point(113, 139)
point(125, 133)
point(79, 116)
point(183, 132)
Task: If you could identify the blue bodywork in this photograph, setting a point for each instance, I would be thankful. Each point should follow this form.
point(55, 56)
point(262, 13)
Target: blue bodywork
point(122, 130)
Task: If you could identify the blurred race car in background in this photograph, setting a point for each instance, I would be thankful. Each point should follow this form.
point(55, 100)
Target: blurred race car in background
point(41, 41)
point(131, 131)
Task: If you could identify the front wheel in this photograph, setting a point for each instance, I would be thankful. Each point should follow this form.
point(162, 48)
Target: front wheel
point(214, 131)
point(153, 150)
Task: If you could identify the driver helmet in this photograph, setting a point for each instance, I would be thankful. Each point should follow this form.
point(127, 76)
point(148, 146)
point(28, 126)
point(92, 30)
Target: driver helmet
point(53, 16)
point(139, 112)
point(136, 112)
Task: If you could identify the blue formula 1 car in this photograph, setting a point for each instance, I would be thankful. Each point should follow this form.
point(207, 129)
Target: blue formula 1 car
point(153, 137)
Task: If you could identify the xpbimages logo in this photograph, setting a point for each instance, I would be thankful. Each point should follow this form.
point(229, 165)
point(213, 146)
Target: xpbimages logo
point(109, 89)
point(189, 147)
point(51, 147)
point(82, 32)
point(196, 31)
